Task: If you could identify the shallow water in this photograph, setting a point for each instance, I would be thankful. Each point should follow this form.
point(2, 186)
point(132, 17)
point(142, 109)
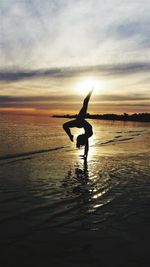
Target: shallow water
point(44, 183)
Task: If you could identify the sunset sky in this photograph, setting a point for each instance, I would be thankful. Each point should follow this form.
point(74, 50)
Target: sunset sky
point(53, 51)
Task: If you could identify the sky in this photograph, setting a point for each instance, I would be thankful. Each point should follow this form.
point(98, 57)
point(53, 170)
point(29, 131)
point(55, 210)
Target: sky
point(53, 51)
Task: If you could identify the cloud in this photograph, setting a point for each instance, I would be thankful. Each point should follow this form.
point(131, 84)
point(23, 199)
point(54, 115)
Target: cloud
point(131, 29)
point(15, 99)
point(67, 99)
point(112, 70)
point(47, 46)
point(39, 34)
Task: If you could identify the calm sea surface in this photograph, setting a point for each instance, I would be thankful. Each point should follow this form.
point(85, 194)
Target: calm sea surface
point(44, 182)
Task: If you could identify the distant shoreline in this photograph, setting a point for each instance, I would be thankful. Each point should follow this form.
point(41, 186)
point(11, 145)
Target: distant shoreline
point(139, 117)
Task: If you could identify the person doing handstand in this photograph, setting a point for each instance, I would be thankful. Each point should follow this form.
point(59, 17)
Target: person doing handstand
point(80, 122)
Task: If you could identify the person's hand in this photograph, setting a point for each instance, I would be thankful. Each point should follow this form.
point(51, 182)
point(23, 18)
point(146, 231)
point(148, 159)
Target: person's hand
point(83, 157)
point(71, 137)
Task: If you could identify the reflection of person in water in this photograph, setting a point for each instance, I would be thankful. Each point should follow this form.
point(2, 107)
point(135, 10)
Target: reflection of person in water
point(80, 122)
point(79, 187)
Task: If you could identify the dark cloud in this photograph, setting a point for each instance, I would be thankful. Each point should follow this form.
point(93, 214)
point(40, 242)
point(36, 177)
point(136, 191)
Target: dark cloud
point(37, 98)
point(74, 106)
point(114, 97)
point(70, 98)
point(128, 29)
point(72, 103)
point(70, 72)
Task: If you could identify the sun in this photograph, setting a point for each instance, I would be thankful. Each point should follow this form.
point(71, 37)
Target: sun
point(85, 85)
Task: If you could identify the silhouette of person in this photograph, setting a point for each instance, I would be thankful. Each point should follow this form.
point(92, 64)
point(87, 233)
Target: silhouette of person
point(80, 122)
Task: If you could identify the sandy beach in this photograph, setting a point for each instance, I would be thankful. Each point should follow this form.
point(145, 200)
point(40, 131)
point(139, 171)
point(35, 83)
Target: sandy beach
point(57, 210)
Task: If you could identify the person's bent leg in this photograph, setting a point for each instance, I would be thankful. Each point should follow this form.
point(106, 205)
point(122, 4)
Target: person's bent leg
point(67, 126)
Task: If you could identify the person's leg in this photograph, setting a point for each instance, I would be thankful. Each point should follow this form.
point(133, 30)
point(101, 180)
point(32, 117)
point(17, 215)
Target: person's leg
point(83, 111)
point(67, 126)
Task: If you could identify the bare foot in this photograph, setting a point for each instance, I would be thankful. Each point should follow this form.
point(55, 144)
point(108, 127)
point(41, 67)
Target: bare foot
point(83, 157)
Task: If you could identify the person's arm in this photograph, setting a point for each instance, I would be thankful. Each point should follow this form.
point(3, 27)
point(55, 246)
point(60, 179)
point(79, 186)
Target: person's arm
point(86, 149)
point(67, 126)
point(83, 111)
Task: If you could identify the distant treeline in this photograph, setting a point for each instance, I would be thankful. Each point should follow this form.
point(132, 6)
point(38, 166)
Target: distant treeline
point(142, 117)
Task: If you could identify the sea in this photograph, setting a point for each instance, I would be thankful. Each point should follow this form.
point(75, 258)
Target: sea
point(46, 184)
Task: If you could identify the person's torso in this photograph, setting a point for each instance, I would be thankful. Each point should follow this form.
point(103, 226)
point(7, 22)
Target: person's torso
point(86, 125)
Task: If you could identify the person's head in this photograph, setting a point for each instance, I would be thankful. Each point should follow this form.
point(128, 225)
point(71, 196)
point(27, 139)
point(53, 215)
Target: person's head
point(81, 140)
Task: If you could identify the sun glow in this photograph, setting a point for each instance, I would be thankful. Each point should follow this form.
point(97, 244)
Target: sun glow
point(83, 87)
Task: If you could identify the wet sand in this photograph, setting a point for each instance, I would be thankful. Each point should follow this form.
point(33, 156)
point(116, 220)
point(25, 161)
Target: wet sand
point(119, 238)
